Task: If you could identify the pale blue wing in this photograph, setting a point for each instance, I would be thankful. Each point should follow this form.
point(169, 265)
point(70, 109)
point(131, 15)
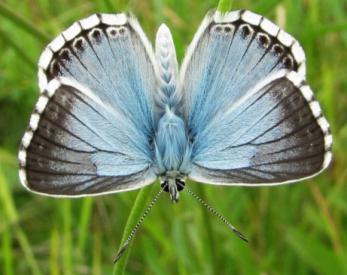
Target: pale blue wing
point(249, 119)
point(75, 145)
point(92, 129)
point(227, 57)
point(110, 55)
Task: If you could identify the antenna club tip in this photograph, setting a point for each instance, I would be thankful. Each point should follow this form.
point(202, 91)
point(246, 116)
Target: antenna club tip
point(136, 227)
point(243, 238)
point(120, 252)
point(239, 234)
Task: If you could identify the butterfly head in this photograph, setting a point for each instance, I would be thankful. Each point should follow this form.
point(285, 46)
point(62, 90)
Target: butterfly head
point(172, 182)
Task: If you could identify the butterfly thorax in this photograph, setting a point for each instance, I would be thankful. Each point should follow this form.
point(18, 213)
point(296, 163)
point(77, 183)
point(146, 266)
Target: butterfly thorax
point(171, 146)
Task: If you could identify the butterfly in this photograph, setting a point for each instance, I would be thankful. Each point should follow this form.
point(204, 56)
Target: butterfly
point(114, 115)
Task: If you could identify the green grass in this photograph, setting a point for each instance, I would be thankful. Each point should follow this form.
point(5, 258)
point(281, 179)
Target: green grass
point(293, 229)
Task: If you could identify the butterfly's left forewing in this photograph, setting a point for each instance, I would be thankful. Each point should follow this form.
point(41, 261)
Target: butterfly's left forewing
point(109, 54)
point(91, 130)
point(251, 117)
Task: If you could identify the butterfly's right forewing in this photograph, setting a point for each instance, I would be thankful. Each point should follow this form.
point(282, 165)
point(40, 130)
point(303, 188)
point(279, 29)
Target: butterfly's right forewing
point(251, 117)
point(229, 55)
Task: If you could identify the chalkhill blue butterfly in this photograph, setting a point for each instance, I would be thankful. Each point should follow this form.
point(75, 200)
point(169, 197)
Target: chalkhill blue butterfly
point(114, 115)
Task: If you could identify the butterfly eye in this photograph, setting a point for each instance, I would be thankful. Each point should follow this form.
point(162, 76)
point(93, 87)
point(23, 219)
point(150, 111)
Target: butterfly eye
point(180, 184)
point(165, 186)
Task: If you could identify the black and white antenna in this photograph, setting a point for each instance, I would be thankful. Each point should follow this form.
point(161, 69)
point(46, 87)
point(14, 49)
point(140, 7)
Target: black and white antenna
point(217, 214)
point(136, 227)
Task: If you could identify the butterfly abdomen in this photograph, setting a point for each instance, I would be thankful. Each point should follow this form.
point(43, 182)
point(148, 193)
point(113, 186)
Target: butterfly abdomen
point(167, 70)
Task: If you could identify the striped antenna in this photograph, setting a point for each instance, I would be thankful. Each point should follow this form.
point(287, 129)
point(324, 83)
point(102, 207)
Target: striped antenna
point(136, 227)
point(217, 214)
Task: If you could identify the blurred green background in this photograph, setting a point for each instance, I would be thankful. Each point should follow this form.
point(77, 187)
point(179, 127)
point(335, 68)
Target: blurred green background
point(293, 229)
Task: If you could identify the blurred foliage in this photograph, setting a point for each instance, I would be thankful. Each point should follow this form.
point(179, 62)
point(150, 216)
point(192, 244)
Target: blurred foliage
point(293, 229)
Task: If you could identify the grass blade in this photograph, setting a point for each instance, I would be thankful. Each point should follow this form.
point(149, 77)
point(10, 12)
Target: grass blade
point(224, 5)
point(54, 257)
point(7, 252)
point(209, 243)
point(317, 255)
point(22, 23)
point(11, 216)
point(67, 227)
point(86, 213)
point(135, 214)
point(18, 49)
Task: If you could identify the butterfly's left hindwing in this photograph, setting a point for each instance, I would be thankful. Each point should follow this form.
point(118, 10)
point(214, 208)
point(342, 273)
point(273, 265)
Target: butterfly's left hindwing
point(76, 146)
point(251, 117)
point(91, 130)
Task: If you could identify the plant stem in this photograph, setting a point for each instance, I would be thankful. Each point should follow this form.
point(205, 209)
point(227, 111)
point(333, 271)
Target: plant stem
point(224, 5)
point(206, 215)
point(135, 214)
point(9, 210)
